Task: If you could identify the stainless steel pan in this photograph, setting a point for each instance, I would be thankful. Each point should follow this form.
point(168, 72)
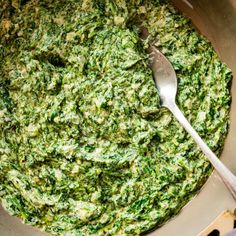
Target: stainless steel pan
point(217, 20)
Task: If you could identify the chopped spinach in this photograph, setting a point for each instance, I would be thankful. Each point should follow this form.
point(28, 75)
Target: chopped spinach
point(85, 148)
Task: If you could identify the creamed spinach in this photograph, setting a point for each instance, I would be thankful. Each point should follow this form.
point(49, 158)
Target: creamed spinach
point(85, 148)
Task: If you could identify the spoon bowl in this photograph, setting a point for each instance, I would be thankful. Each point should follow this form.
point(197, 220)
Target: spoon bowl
point(164, 76)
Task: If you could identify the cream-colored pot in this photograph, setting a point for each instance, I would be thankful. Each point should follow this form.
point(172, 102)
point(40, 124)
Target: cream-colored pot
point(217, 20)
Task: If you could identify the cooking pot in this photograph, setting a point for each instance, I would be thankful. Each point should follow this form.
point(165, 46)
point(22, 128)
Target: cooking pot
point(216, 20)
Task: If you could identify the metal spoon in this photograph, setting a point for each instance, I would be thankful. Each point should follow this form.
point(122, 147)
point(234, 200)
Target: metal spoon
point(166, 83)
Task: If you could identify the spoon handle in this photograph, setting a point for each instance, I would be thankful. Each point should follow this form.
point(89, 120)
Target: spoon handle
point(227, 176)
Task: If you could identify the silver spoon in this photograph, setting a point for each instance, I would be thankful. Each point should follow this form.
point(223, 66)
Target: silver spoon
point(166, 83)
